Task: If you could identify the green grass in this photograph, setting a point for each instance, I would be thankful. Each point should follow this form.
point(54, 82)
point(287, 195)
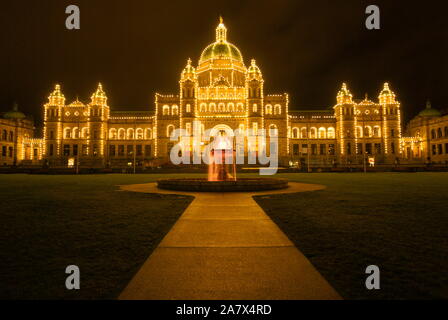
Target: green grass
point(50, 222)
point(398, 221)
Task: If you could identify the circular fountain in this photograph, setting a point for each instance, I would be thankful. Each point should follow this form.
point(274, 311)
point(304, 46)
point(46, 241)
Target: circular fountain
point(240, 185)
point(222, 174)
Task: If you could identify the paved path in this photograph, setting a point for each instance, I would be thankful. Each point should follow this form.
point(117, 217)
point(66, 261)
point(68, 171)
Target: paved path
point(225, 247)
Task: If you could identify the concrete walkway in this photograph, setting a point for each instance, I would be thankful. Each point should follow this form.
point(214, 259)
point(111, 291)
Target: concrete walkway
point(225, 247)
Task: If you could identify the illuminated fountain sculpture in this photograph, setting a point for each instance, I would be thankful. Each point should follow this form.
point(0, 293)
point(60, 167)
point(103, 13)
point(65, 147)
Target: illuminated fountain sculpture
point(222, 166)
point(222, 173)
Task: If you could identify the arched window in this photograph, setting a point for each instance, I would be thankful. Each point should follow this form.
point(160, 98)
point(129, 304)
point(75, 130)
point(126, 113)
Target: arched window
point(67, 133)
point(358, 132)
point(433, 134)
point(139, 133)
point(130, 133)
point(174, 110)
point(212, 107)
point(268, 109)
point(75, 134)
point(188, 108)
point(166, 110)
point(148, 133)
point(113, 133)
point(376, 131)
point(273, 131)
point(295, 132)
point(278, 109)
point(203, 107)
point(331, 133)
point(446, 131)
point(121, 134)
point(240, 107)
point(439, 133)
point(303, 133)
point(231, 107)
point(169, 130)
point(221, 107)
point(85, 132)
point(313, 133)
point(368, 131)
point(254, 107)
point(322, 133)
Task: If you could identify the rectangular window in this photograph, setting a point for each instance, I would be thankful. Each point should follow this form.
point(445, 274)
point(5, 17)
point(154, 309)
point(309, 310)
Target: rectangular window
point(139, 150)
point(392, 147)
point(295, 149)
point(368, 148)
point(439, 148)
point(349, 148)
point(314, 149)
point(446, 148)
point(112, 150)
point(11, 151)
point(359, 148)
point(322, 149)
point(378, 148)
point(66, 150)
point(434, 149)
point(331, 150)
point(35, 153)
point(84, 150)
point(304, 149)
point(95, 150)
point(129, 150)
point(148, 150)
point(4, 151)
point(75, 149)
point(51, 150)
point(121, 150)
point(392, 133)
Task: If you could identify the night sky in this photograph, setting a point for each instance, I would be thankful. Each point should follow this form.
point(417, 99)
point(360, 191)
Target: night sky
point(139, 47)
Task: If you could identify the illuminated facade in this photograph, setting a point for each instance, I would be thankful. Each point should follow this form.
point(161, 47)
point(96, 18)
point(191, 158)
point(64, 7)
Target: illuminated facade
point(224, 95)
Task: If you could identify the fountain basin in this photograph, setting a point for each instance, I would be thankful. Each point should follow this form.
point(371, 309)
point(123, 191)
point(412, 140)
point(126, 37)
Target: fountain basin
point(240, 185)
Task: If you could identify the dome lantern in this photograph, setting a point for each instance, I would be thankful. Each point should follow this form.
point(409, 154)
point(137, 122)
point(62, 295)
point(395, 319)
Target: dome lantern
point(344, 96)
point(253, 72)
point(221, 31)
point(386, 96)
point(221, 48)
point(99, 98)
point(14, 113)
point(189, 72)
point(56, 98)
point(429, 111)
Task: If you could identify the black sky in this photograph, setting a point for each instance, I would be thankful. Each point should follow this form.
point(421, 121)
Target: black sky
point(139, 47)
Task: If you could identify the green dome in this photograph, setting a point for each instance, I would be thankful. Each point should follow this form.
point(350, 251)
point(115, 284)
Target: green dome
point(221, 50)
point(14, 114)
point(429, 111)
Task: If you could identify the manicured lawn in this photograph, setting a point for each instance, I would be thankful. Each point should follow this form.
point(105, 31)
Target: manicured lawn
point(398, 221)
point(50, 222)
